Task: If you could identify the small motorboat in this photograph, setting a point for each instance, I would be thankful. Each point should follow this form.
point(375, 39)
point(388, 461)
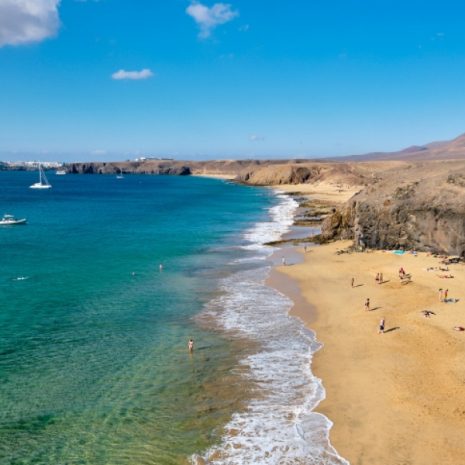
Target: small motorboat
point(10, 220)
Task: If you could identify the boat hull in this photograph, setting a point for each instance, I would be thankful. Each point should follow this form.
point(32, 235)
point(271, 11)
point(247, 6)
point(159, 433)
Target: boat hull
point(40, 186)
point(13, 222)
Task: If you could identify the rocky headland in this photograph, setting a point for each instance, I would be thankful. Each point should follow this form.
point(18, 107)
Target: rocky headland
point(421, 206)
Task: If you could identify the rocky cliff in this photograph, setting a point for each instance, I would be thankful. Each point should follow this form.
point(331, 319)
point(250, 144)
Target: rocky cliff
point(172, 167)
point(422, 207)
point(151, 167)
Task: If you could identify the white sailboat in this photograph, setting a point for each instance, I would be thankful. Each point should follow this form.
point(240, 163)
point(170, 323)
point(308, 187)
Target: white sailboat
point(43, 181)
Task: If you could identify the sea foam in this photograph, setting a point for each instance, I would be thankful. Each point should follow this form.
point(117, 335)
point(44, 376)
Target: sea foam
point(278, 425)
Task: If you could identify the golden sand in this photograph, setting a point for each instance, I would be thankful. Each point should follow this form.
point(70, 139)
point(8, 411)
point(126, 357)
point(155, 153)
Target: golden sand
point(323, 191)
point(397, 397)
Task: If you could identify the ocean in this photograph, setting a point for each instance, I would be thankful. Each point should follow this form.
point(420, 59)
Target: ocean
point(94, 367)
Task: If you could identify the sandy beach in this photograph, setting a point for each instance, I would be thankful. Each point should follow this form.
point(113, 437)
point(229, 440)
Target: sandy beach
point(323, 191)
point(397, 397)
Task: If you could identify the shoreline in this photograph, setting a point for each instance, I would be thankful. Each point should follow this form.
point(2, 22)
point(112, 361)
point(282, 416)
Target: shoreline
point(224, 177)
point(280, 420)
point(302, 308)
point(382, 389)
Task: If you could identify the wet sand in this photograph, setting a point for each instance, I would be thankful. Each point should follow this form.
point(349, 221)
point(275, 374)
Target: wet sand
point(397, 397)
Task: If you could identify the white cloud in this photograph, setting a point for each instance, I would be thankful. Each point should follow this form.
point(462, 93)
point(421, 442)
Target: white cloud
point(209, 18)
point(26, 21)
point(132, 75)
point(256, 138)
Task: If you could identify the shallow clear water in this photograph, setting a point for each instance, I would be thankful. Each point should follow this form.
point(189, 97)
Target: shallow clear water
point(93, 362)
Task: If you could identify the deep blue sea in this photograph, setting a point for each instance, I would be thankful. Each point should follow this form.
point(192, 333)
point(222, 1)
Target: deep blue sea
point(94, 368)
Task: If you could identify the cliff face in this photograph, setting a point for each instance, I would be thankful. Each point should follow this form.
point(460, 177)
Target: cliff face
point(172, 167)
point(308, 173)
point(155, 167)
point(425, 214)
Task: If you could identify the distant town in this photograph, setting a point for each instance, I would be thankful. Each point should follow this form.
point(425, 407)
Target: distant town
point(32, 165)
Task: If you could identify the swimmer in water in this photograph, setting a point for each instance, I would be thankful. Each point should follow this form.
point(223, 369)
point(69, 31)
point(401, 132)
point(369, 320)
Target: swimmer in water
point(161, 267)
point(190, 345)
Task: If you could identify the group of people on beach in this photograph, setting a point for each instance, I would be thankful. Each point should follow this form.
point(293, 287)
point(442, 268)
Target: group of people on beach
point(404, 277)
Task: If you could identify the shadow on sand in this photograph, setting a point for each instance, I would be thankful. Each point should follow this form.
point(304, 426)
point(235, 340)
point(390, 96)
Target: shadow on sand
point(395, 328)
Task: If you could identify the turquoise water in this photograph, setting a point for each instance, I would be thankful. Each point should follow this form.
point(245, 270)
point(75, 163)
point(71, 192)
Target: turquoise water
point(93, 361)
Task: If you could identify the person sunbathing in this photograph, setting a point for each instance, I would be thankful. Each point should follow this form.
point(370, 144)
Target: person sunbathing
point(427, 313)
point(459, 328)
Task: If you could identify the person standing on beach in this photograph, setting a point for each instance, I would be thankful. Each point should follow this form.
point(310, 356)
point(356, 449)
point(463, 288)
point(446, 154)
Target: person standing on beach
point(367, 305)
point(190, 345)
point(381, 326)
point(441, 295)
point(446, 292)
point(305, 248)
point(353, 282)
point(283, 261)
point(377, 277)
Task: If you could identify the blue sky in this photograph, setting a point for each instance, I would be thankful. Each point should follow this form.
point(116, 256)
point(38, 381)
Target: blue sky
point(245, 78)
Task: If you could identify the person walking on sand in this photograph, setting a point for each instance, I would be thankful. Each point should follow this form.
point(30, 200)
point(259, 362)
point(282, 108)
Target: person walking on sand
point(190, 345)
point(446, 292)
point(305, 248)
point(441, 295)
point(380, 278)
point(283, 261)
point(381, 326)
point(367, 305)
point(353, 282)
point(377, 277)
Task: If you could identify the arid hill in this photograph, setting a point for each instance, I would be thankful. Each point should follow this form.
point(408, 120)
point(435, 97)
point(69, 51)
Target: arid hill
point(444, 150)
point(420, 206)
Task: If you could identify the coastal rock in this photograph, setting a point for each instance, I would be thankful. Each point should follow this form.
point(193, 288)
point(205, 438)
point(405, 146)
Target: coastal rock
point(158, 167)
point(426, 214)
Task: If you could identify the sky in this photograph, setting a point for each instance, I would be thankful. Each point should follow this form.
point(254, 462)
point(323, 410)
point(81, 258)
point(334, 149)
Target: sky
point(117, 79)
